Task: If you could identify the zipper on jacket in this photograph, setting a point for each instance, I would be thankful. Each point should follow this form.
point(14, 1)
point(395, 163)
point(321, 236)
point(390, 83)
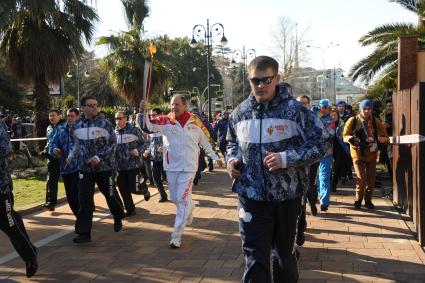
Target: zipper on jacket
point(260, 109)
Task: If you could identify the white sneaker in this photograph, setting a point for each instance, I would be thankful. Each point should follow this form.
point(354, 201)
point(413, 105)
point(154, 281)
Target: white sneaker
point(174, 244)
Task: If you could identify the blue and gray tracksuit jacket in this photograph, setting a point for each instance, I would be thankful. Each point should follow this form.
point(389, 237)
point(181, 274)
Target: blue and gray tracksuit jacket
point(155, 140)
point(50, 133)
point(129, 138)
point(63, 140)
point(93, 137)
point(5, 150)
point(282, 125)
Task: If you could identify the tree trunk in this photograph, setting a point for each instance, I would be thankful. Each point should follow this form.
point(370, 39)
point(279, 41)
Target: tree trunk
point(42, 108)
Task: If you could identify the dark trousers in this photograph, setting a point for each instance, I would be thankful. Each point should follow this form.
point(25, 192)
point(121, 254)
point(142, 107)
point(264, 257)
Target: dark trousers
point(302, 220)
point(71, 189)
point(53, 173)
point(157, 169)
point(127, 183)
point(11, 224)
point(147, 171)
point(312, 187)
point(265, 226)
point(106, 186)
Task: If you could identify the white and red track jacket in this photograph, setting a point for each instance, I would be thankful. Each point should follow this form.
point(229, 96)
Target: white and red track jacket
point(181, 144)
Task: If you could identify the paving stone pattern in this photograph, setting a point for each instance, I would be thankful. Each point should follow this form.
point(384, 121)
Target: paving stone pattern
point(342, 244)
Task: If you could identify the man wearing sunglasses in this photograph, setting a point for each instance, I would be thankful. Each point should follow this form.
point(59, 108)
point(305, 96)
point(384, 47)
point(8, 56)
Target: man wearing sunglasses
point(94, 146)
point(272, 140)
point(130, 146)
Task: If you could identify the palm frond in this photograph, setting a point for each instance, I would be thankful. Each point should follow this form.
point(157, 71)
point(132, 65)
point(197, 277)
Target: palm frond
point(369, 66)
point(387, 33)
point(415, 6)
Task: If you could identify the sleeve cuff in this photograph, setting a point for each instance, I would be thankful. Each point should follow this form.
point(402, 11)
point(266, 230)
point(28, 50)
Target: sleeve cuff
point(97, 157)
point(283, 156)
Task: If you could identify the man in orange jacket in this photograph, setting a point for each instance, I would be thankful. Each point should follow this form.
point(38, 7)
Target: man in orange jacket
point(364, 132)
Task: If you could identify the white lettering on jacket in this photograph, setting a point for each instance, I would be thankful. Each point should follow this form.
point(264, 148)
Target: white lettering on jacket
point(273, 130)
point(126, 138)
point(91, 133)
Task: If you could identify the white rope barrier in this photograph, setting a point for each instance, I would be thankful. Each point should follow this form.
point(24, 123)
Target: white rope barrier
point(28, 139)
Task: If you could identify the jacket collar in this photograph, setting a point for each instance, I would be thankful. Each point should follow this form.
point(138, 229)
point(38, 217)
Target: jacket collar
point(281, 93)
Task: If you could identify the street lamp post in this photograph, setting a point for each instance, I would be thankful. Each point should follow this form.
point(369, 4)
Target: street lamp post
point(77, 74)
point(200, 32)
point(244, 56)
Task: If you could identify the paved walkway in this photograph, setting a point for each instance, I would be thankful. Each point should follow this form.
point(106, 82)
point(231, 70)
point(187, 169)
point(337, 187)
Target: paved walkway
point(342, 245)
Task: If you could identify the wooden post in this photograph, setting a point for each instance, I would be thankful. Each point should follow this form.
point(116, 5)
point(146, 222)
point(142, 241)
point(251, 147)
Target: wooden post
point(420, 166)
point(407, 62)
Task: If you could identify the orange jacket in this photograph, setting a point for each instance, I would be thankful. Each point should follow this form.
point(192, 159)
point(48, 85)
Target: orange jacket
point(355, 152)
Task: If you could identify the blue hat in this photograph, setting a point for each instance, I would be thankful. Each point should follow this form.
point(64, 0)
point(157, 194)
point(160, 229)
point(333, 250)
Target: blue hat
point(341, 102)
point(364, 103)
point(324, 103)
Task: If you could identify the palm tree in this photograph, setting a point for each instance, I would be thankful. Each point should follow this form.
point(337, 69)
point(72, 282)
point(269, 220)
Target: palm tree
point(383, 60)
point(126, 59)
point(38, 41)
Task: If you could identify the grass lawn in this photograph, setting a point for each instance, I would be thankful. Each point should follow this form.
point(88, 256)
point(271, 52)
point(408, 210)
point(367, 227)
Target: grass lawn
point(31, 191)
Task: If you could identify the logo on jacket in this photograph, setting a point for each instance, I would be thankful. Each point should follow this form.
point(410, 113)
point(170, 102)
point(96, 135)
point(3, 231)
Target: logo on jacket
point(270, 130)
point(281, 128)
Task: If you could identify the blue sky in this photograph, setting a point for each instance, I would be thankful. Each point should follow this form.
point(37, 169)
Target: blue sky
point(251, 23)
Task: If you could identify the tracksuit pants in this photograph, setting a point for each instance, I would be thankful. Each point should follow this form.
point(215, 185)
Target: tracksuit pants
point(127, 183)
point(53, 173)
point(71, 189)
point(365, 182)
point(180, 187)
point(312, 184)
point(106, 186)
point(324, 179)
point(265, 226)
point(11, 224)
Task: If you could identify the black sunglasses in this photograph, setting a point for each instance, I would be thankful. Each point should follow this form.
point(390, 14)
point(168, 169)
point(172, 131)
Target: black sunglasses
point(91, 105)
point(265, 80)
point(119, 118)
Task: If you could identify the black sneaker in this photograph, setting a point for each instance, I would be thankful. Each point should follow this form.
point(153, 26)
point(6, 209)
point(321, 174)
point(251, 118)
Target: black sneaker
point(82, 238)
point(147, 196)
point(163, 200)
point(324, 207)
point(357, 204)
point(48, 207)
point(130, 213)
point(313, 209)
point(300, 239)
point(31, 266)
point(369, 205)
point(117, 225)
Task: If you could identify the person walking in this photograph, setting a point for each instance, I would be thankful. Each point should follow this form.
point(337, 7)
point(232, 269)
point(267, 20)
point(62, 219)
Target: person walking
point(183, 133)
point(220, 127)
point(272, 138)
point(53, 163)
point(94, 147)
point(363, 132)
point(325, 165)
point(128, 159)
point(154, 152)
point(340, 151)
point(59, 148)
point(10, 221)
